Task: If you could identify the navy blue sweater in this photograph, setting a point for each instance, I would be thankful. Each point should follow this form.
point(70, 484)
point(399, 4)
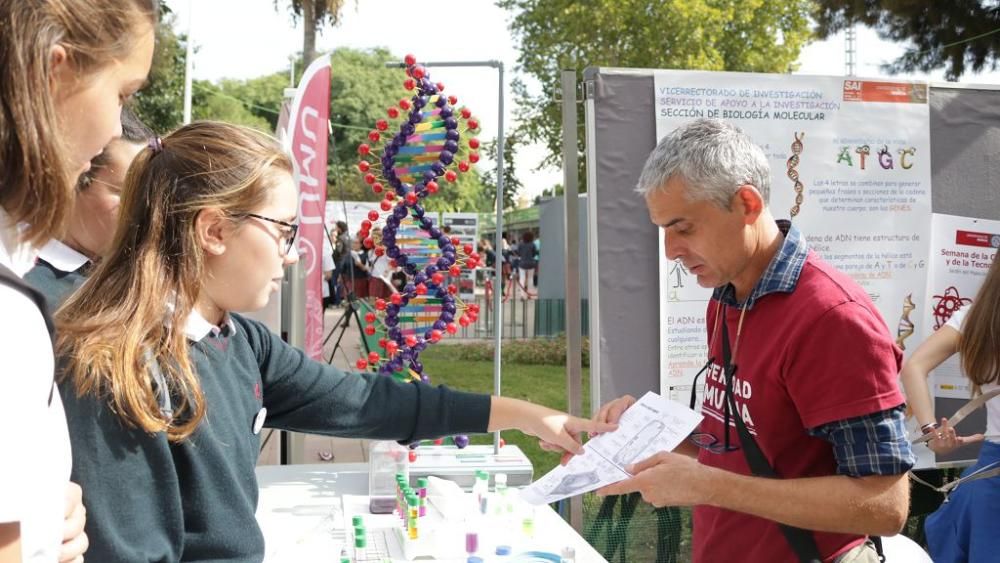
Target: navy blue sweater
point(150, 500)
point(55, 284)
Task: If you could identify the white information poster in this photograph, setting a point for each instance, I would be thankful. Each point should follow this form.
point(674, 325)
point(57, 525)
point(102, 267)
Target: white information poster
point(850, 165)
point(962, 250)
point(353, 212)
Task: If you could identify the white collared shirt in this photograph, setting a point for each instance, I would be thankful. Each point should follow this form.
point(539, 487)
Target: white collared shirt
point(33, 437)
point(197, 327)
point(62, 257)
point(15, 255)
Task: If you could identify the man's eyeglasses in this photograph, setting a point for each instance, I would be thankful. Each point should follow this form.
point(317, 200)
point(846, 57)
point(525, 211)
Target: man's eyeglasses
point(288, 236)
point(710, 442)
point(706, 440)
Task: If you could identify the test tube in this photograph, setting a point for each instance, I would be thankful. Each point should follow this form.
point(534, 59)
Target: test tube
point(528, 527)
point(477, 485)
point(422, 490)
point(500, 480)
point(471, 543)
point(413, 514)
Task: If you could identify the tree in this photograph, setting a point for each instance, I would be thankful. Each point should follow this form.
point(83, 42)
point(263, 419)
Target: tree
point(314, 14)
point(959, 36)
point(744, 35)
point(555, 191)
point(260, 98)
point(361, 90)
point(216, 103)
point(160, 104)
point(511, 183)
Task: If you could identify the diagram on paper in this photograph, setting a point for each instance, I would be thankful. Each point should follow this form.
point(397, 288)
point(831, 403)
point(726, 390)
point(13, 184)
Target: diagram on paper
point(651, 425)
point(638, 443)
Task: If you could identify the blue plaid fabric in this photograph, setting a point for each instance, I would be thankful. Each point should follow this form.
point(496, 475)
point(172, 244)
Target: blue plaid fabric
point(873, 444)
point(781, 274)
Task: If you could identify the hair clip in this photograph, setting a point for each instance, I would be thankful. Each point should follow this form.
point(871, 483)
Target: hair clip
point(156, 145)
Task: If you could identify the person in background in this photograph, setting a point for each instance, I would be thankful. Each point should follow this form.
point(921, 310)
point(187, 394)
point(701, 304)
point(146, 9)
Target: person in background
point(328, 268)
point(527, 261)
point(398, 281)
point(63, 264)
point(341, 261)
point(964, 527)
point(357, 275)
point(167, 388)
point(379, 270)
point(538, 258)
point(486, 249)
point(507, 258)
point(68, 66)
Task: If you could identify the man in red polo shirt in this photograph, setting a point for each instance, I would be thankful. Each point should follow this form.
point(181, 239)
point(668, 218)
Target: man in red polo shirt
point(813, 372)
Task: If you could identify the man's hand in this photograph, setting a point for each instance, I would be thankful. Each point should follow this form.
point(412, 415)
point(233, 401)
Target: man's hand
point(947, 440)
point(75, 540)
point(665, 479)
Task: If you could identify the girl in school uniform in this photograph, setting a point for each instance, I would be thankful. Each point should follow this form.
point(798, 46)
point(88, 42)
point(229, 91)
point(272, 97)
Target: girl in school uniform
point(379, 271)
point(964, 527)
point(67, 67)
point(167, 389)
point(63, 264)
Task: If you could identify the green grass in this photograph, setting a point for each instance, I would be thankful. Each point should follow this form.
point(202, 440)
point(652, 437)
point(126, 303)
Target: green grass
point(538, 383)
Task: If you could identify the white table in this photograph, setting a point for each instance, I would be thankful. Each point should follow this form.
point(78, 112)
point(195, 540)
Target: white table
point(302, 515)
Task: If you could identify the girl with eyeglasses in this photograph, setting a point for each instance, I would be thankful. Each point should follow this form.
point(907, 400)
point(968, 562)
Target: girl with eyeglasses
point(167, 387)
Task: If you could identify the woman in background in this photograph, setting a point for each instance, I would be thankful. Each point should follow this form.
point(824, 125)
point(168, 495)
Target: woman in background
point(964, 527)
point(527, 255)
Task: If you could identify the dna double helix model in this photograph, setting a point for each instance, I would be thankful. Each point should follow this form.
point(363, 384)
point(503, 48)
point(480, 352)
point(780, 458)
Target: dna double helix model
point(424, 139)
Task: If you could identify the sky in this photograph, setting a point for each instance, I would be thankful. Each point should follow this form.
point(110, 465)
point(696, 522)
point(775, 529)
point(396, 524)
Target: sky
point(260, 39)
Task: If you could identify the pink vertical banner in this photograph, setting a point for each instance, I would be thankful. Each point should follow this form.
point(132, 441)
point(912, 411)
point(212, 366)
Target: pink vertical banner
point(306, 140)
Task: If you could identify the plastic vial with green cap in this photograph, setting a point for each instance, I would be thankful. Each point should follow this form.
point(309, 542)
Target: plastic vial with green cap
point(481, 486)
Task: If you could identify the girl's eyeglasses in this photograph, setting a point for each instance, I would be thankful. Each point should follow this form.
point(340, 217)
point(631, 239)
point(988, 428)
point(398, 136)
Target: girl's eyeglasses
point(287, 236)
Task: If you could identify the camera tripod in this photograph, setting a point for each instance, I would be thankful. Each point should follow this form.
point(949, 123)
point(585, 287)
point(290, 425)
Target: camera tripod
point(342, 323)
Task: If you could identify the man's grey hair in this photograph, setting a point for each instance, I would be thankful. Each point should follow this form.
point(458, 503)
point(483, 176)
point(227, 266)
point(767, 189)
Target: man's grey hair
point(712, 157)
